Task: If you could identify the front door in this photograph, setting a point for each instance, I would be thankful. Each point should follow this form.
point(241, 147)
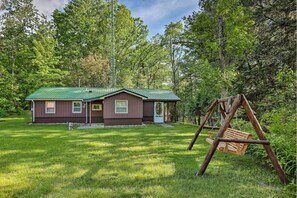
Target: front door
point(159, 112)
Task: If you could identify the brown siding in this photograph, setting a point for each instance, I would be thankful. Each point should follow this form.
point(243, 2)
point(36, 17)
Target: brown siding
point(64, 113)
point(123, 121)
point(148, 111)
point(135, 106)
point(63, 109)
point(60, 119)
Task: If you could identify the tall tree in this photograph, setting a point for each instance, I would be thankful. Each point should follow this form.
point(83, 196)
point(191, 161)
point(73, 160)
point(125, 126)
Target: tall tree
point(83, 29)
point(94, 72)
point(18, 24)
point(275, 27)
point(172, 36)
point(27, 50)
point(149, 64)
point(216, 40)
point(45, 61)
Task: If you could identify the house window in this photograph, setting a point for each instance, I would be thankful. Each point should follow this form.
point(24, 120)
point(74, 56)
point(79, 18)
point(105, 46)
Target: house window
point(96, 107)
point(76, 106)
point(121, 106)
point(50, 107)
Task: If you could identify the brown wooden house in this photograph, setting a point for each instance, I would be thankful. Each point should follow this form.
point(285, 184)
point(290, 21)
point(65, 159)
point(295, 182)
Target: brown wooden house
point(111, 106)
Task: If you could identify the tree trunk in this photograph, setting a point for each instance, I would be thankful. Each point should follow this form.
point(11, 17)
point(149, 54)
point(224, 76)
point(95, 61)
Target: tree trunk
point(224, 92)
point(199, 117)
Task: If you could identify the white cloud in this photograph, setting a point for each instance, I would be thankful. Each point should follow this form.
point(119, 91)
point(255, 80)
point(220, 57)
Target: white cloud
point(47, 7)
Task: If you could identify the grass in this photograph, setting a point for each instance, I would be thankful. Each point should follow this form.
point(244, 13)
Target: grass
point(50, 161)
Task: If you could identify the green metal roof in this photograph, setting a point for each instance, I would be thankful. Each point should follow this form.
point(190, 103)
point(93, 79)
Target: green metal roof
point(79, 93)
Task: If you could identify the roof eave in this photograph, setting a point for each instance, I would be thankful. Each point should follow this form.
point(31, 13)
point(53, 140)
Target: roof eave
point(53, 99)
point(114, 93)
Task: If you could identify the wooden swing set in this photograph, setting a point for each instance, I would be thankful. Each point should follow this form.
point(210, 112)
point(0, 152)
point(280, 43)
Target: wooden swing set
point(232, 140)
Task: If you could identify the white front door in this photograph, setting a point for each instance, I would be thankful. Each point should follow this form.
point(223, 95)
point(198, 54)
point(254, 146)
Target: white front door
point(159, 112)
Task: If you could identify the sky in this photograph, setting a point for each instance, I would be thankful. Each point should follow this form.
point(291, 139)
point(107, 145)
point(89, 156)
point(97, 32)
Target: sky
point(155, 13)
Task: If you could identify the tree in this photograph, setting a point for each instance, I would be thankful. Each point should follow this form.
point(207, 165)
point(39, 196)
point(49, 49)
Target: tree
point(173, 33)
point(45, 61)
point(149, 64)
point(211, 56)
point(18, 24)
point(27, 46)
point(275, 26)
point(94, 72)
point(84, 28)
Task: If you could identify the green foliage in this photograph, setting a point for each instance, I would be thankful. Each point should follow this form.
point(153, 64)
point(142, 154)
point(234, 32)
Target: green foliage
point(74, 47)
point(282, 121)
point(171, 41)
point(285, 150)
point(281, 126)
point(201, 64)
point(97, 70)
point(28, 52)
point(45, 59)
point(83, 30)
point(19, 21)
point(275, 26)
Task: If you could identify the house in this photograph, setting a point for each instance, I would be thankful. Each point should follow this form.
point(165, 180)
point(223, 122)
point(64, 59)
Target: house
point(111, 106)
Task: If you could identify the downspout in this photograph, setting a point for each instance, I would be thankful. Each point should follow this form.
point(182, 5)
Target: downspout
point(90, 109)
point(86, 112)
point(33, 111)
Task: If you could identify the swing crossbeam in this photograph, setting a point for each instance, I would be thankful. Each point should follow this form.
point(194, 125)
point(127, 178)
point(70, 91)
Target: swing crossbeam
point(234, 103)
point(244, 141)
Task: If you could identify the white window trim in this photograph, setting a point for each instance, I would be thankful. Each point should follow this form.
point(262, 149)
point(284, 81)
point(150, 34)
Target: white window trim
point(45, 107)
point(73, 107)
point(115, 106)
point(96, 109)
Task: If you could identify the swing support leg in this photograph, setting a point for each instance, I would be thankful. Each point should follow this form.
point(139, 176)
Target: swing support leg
point(206, 117)
point(223, 128)
point(261, 136)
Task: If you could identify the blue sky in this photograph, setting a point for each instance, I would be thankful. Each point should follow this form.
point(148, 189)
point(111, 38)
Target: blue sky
point(158, 13)
point(155, 13)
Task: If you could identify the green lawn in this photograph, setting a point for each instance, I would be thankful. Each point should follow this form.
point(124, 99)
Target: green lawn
point(50, 161)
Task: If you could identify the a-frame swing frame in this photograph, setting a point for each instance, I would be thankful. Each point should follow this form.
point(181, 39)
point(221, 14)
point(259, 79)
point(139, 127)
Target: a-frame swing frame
point(238, 100)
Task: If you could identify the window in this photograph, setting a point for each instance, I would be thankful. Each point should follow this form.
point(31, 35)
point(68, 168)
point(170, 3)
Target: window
point(159, 109)
point(50, 107)
point(76, 107)
point(96, 107)
point(121, 106)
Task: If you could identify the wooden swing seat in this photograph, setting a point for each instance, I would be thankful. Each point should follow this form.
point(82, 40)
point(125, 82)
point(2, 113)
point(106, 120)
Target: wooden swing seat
point(232, 147)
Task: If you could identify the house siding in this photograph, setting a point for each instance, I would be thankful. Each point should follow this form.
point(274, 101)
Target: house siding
point(64, 113)
point(63, 109)
point(135, 110)
point(60, 119)
point(148, 111)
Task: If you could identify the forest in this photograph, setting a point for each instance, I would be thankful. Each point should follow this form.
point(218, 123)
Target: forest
point(227, 47)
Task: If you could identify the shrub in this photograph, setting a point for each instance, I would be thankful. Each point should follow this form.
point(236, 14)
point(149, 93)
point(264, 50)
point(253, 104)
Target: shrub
point(3, 113)
point(281, 124)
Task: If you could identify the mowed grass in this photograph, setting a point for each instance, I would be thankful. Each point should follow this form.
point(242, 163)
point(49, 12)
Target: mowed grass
point(50, 161)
